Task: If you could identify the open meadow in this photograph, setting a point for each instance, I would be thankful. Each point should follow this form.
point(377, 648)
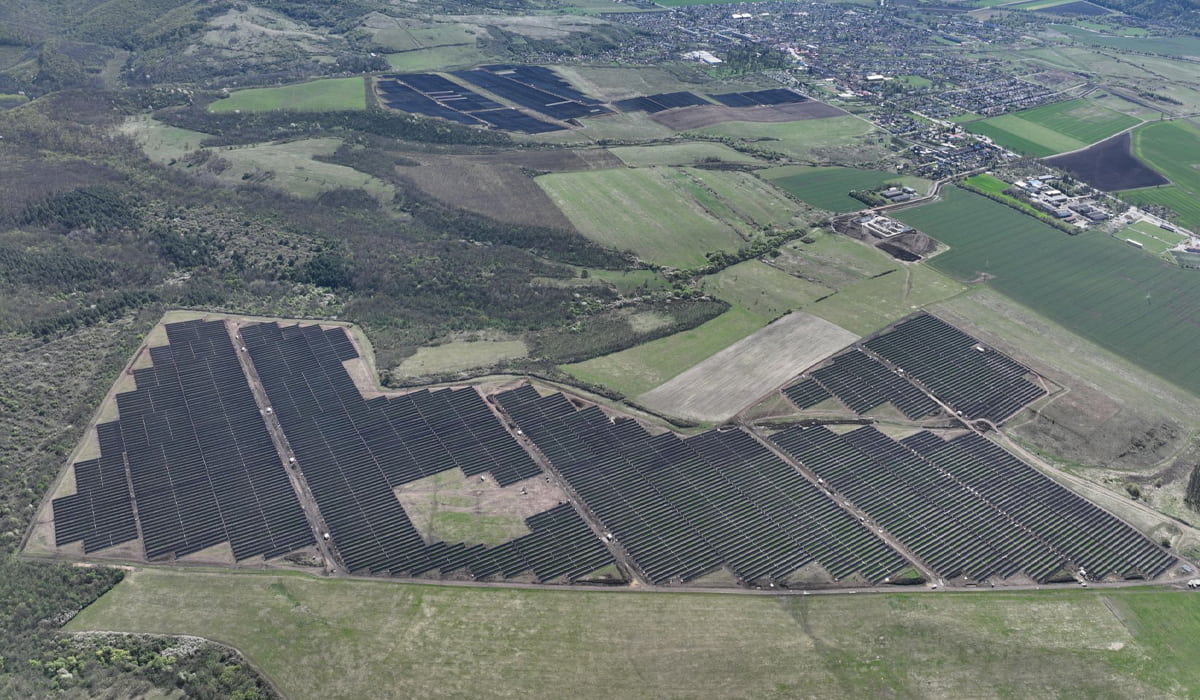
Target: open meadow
point(799, 139)
point(1140, 307)
point(829, 188)
point(348, 639)
point(331, 94)
point(1173, 149)
point(1054, 128)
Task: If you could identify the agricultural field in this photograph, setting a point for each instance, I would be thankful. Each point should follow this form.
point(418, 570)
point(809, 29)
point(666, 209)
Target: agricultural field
point(1109, 165)
point(1095, 285)
point(668, 216)
point(459, 356)
point(1178, 46)
point(641, 368)
point(331, 94)
point(828, 188)
point(346, 638)
point(1054, 128)
point(1173, 149)
point(799, 139)
point(690, 153)
point(731, 380)
point(1152, 237)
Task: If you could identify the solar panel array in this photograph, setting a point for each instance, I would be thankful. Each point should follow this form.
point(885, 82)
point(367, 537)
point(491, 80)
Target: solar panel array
point(202, 465)
point(539, 90)
point(662, 102)
point(862, 383)
point(775, 96)
point(977, 383)
point(968, 508)
point(683, 508)
point(435, 96)
point(100, 512)
point(354, 451)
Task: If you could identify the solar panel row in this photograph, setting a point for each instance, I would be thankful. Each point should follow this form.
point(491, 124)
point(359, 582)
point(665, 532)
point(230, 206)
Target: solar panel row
point(202, 465)
point(968, 508)
point(526, 95)
point(863, 383)
point(976, 381)
point(354, 451)
point(684, 508)
point(658, 103)
point(774, 96)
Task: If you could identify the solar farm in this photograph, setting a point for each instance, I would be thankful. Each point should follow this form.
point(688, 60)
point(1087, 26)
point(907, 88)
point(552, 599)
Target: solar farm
point(257, 436)
point(543, 100)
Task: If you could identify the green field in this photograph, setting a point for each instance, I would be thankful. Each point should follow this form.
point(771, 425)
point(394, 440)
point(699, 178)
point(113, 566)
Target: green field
point(1182, 45)
point(435, 58)
point(798, 139)
point(351, 639)
point(1053, 128)
point(315, 96)
point(670, 216)
point(641, 368)
point(460, 355)
point(762, 289)
point(689, 153)
point(1133, 304)
point(828, 188)
point(1173, 149)
point(1152, 238)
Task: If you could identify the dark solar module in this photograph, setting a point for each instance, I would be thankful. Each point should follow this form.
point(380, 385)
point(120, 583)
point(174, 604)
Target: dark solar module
point(977, 381)
point(353, 451)
point(863, 383)
point(735, 99)
point(672, 100)
point(530, 97)
point(683, 508)
point(514, 120)
point(968, 508)
point(203, 468)
point(639, 104)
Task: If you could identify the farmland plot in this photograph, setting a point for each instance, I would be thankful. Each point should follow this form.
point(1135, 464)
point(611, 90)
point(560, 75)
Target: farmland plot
point(1054, 128)
point(731, 380)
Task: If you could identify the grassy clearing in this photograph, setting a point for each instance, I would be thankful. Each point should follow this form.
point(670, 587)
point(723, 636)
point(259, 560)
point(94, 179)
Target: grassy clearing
point(1094, 285)
point(346, 638)
point(316, 96)
point(644, 367)
point(762, 289)
point(755, 205)
point(866, 306)
point(689, 153)
point(828, 188)
point(1054, 128)
point(460, 355)
point(435, 58)
point(659, 213)
point(799, 139)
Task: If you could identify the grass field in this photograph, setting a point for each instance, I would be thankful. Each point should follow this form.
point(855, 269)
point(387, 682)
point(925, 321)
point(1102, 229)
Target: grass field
point(799, 139)
point(1053, 128)
point(671, 216)
point(435, 58)
point(1095, 285)
point(1173, 149)
point(1182, 45)
point(1153, 238)
point(315, 96)
point(349, 639)
point(733, 379)
point(644, 367)
point(828, 188)
point(689, 153)
point(460, 355)
point(762, 289)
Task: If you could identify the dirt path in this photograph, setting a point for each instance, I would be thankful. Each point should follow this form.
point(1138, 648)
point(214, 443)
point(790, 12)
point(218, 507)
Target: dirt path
point(308, 503)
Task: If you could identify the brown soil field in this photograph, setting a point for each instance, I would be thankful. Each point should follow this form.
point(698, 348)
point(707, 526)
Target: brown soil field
point(735, 378)
point(499, 184)
point(707, 115)
point(1109, 165)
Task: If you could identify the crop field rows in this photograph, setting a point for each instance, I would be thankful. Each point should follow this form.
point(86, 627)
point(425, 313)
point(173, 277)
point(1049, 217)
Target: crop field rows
point(684, 508)
point(434, 96)
point(1054, 128)
point(202, 466)
point(977, 381)
point(354, 451)
point(969, 509)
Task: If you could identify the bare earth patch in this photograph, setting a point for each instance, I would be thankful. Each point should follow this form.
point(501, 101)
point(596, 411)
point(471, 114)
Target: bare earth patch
point(707, 115)
point(731, 380)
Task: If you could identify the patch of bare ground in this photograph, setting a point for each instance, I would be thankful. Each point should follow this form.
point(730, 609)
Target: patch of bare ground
point(706, 115)
point(733, 379)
